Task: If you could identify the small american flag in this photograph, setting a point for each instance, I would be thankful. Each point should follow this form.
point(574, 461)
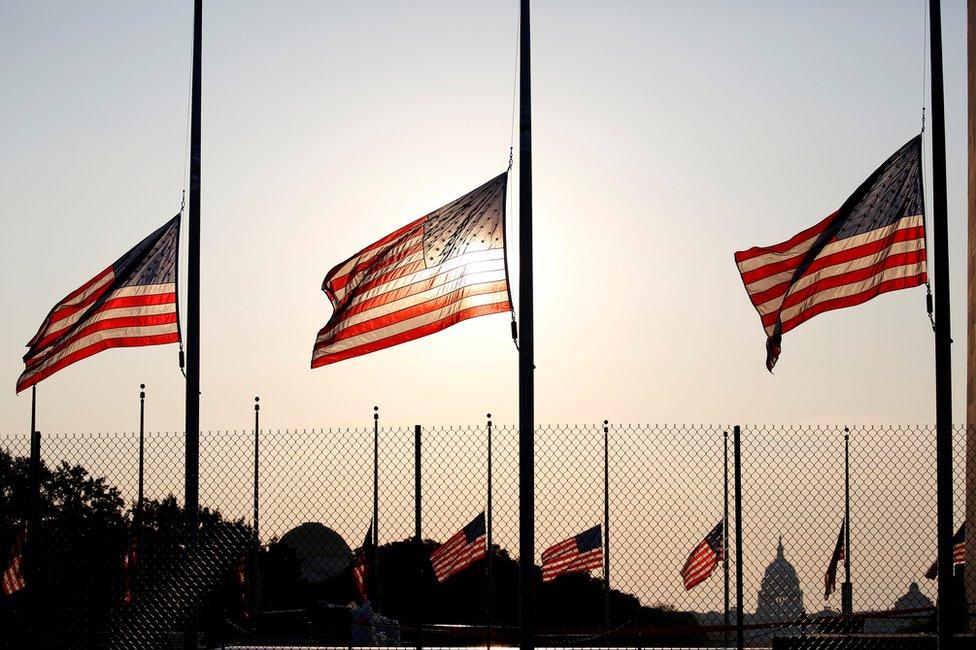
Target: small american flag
point(361, 562)
point(131, 303)
point(434, 272)
point(463, 549)
point(704, 558)
point(129, 563)
point(840, 551)
point(578, 554)
point(958, 553)
point(873, 244)
point(13, 576)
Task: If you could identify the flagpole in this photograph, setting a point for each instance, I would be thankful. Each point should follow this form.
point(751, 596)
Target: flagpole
point(142, 455)
point(737, 462)
point(943, 351)
point(527, 345)
point(725, 532)
point(256, 545)
point(29, 549)
point(192, 473)
point(376, 504)
point(606, 526)
point(489, 576)
point(847, 595)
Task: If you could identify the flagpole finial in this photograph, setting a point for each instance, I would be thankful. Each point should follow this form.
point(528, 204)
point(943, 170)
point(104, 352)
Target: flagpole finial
point(257, 406)
point(376, 414)
point(142, 391)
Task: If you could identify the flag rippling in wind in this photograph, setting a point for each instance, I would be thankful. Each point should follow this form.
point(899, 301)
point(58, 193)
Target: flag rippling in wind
point(577, 554)
point(463, 549)
point(131, 303)
point(704, 557)
point(439, 270)
point(840, 551)
point(958, 553)
point(13, 575)
point(873, 244)
point(360, 564)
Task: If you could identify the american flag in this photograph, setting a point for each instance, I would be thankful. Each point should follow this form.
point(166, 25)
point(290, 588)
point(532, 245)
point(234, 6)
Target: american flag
point(434, 272)
point(578, 554)
point(840, 550)
point(131, 303)
point(463, 549)
point(704, 558)
point(240, 579)
point(958, 553)
point(360, 564)
point(13, 576)
point(873, 244)
point(129, 563)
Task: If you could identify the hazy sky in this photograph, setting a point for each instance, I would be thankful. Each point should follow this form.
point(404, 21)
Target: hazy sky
point(666, 136)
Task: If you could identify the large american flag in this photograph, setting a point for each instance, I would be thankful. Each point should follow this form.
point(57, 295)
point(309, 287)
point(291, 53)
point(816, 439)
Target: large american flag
point(131, 303)
point(840, 550)
point(578, 554)
point(13, 575)
point(873, 244)
point(434, 272)
point(958, 553)
point(463, 549)
point(360, 564)
point(704, 557)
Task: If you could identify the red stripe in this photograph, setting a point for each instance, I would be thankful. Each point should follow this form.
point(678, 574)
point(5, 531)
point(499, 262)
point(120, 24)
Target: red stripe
point(799, 238)
point(405, 291)
point(855, 299)
point(99, 326)
point(840, 257)
point(426, 307)
point(410, 335)
point(834, 281)
point(340, 281)
point(124, 342)
point(56, 311)
point(117, 303)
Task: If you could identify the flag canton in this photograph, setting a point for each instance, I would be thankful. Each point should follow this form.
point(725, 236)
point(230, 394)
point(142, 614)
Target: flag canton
point(475, 529)
point(589, 540)
point(893, 192)
point(714, 539)
point(472, 223)
point(153, 261)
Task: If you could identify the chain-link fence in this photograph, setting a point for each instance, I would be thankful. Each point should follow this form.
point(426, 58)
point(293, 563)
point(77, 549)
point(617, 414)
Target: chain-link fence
point(105, 572)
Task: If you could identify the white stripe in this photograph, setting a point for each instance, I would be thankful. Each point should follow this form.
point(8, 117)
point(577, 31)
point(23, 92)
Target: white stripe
point(123, 332)
point(149, 290)
point(852, 289)
point(413, 323)
point(773, 258)
point(387, 249)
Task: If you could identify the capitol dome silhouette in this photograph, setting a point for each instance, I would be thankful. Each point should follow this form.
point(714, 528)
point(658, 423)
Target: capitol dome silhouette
point(780, 596)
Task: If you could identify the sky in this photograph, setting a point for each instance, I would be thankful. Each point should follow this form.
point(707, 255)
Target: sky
point(666, 136)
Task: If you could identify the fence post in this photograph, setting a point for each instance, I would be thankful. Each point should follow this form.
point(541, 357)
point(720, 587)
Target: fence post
point(32, 543)
point(737, 462)
point(256, 545)
point(606, 529)
point(488, 568)
point(725, 532)
point(846, 589)
point(418, 510)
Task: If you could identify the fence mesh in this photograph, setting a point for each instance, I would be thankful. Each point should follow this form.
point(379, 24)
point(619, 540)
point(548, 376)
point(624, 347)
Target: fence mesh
point(105, 573)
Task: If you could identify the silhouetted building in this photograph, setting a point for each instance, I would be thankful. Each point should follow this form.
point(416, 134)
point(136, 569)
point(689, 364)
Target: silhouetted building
point(780, 596)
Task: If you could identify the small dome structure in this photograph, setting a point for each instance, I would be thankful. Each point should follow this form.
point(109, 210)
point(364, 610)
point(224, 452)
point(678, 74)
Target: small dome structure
point(780, 596)
point(322, 551)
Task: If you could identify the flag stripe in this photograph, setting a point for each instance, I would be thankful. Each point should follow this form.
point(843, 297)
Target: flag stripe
point(460, 552)
point(568, 556)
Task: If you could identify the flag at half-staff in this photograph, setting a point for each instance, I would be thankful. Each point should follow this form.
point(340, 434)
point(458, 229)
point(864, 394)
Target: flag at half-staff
point(578, 554)
point(873, 244)
point(704, 557)
point(439, 270)
point(463, 549)
point(840, 551)
point(360, 565)
point(131, 303)
point(130, 562)
point(13, 574)
point(958, 553)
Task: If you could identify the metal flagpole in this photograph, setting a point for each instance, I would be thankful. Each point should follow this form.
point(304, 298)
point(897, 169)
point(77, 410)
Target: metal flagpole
point(526, 345)
point(192, 478)
point(256, 545)
point(33, 522)
point(725, 531)
point(846, 591)
point(376, 505)
point(417, 499)
point(606, 527)
point(488, 568)
point(142, 455)
point(943, 351)
point(737, 463)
